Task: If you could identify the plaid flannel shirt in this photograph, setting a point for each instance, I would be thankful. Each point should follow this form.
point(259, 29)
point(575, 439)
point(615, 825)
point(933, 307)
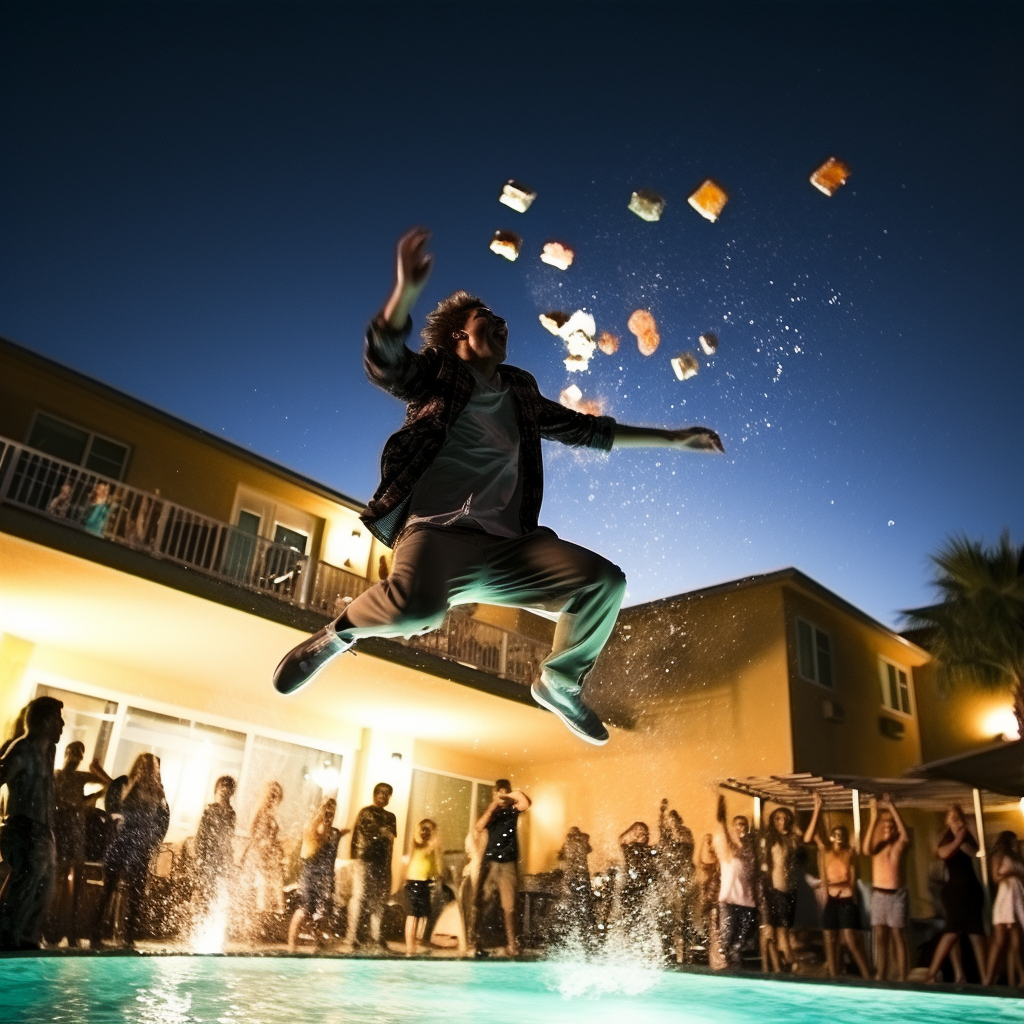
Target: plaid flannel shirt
point(436, 385)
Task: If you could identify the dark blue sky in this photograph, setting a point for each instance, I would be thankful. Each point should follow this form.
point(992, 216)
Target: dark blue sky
point(200, 204)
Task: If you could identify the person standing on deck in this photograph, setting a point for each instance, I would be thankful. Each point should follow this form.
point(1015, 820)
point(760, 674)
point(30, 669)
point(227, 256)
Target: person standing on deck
point(886, 842)
point(461, 493)
point(373, 839)
point(499, 869)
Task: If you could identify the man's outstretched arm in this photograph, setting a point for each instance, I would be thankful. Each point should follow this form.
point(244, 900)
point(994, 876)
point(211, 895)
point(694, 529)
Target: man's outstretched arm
point(698, 439)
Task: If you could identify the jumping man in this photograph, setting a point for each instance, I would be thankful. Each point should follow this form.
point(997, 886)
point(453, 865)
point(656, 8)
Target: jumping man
point(461, 490)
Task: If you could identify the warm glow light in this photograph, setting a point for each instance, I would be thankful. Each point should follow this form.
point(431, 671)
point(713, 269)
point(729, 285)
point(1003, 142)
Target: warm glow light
point(1022, 805)
point(328, 779)
point(1001, 722)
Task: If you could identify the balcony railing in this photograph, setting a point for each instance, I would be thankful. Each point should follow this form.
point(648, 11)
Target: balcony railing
point(77, 497)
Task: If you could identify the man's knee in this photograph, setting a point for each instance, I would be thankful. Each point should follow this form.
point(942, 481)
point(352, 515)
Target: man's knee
point(419, 605)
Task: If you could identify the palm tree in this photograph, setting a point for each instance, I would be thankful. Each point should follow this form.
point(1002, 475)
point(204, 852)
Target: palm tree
point(976, 632)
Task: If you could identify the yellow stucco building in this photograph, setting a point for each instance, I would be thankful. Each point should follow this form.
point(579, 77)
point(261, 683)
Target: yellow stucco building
point(152, 575)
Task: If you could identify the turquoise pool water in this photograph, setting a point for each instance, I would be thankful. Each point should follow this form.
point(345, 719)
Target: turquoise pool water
point(225, 990)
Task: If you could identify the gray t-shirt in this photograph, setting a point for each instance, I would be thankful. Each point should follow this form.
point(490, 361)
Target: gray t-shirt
point(475, 478)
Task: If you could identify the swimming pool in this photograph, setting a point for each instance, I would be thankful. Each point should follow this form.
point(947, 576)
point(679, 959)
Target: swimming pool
point(223, 990)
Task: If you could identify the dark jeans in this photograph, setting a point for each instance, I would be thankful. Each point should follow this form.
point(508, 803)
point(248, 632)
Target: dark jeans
point(739, 925)
point(28, 847)
point(133, 876)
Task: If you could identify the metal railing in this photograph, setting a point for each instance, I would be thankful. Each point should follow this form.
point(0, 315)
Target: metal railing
point(109, 509)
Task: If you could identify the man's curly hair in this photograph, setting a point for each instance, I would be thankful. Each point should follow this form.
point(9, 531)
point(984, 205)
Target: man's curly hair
point(449, 317)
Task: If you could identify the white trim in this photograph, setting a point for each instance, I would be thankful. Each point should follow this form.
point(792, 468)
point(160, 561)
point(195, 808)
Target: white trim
point(248, 729)
point(884, 680)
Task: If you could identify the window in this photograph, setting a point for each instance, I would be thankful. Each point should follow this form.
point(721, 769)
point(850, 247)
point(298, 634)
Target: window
point(895, 687)
point(89, 720)
point(75, 444)
point(306, 775)
point(193, 754)
point(814, 653)
point(454, 803)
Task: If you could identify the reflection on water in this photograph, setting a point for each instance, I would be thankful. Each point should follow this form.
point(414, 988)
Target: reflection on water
point(230, 990)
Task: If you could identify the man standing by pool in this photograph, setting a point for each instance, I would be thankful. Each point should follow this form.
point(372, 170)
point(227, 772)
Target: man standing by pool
point(500, 868)
point(373, 838)
point(461, 492)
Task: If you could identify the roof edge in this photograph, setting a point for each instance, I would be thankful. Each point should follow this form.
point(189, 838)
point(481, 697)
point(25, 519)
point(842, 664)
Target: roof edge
point(201, 433)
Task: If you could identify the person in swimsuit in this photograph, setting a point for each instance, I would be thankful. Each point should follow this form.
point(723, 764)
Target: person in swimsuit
point(840, 918)
point(1007, 870)
point(780, 876)
point(963, 900)
point(886, 842)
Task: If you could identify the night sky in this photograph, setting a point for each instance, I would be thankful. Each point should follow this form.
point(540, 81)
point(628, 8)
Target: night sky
point(200, 203)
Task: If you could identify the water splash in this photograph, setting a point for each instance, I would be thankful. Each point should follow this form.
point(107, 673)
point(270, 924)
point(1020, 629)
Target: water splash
point(209, 933)
point(628, 962)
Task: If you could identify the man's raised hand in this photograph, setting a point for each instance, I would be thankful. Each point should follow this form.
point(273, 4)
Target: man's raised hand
point(412, 268)
point(413, 263)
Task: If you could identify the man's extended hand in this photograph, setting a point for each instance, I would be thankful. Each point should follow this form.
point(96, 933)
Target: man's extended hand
point(698, 439)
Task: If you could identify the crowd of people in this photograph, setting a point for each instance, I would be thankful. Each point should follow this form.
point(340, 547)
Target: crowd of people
point(748, 894)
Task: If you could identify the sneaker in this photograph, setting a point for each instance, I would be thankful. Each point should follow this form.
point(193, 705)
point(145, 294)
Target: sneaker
point(572, 711)
point(301, 664)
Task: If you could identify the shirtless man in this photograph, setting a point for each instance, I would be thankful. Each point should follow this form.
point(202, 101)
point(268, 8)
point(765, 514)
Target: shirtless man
point(26, 842)
point(886, 841)
point(839, 876)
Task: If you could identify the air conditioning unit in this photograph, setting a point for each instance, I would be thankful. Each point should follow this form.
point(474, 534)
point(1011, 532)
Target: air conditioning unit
point(891, 727)
point(832, 711)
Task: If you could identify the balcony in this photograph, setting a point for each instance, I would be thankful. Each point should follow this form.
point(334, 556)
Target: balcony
point(148, 523)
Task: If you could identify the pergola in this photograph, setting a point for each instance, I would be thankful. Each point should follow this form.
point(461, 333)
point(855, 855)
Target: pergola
point(921, 790)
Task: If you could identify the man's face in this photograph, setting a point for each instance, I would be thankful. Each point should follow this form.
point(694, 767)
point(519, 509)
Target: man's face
point(886, 828)
point(503, 794)
point(381, 797)
point(54, 726)
point(487, 334)
point(740, 828)
point(781, 822)
point(73, 756)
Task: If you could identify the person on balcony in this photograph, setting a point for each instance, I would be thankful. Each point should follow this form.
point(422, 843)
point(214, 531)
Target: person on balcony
point(26, 841)
point(461, 493)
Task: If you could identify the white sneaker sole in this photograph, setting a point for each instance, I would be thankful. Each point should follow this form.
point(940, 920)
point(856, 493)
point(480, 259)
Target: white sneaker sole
point(571, 726)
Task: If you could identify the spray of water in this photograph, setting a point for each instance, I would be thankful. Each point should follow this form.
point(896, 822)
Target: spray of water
point(209, 934)
point(627, 961)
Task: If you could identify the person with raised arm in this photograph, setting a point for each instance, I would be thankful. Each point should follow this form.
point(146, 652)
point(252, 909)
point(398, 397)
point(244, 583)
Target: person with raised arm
point(886, 842)
point(840, 918)
point(461, 491)
point(737, 901)
point(499, 869)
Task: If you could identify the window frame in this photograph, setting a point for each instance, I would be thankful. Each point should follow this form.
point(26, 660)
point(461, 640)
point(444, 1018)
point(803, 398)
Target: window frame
point(474, 779)
point(91, 435)
point(883, 665)
point(251, 730)
point(815, 631)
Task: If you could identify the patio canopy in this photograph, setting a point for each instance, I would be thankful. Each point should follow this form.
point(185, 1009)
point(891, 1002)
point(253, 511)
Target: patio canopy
point(797, 790)
point(998, 768)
